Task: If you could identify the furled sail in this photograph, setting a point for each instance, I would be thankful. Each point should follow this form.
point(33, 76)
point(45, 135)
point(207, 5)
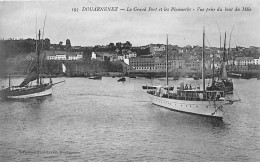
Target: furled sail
point(31, 77)
point(223, 72)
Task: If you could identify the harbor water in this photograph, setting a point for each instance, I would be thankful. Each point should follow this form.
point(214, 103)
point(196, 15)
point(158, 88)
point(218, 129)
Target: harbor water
point(106, 120)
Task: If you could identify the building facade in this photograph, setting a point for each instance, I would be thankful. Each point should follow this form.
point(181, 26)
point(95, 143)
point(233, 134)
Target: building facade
point(196, 65)
point(157, 48)
point(244, 61)
point(63, 55)
point(257, 61)
point(142, 63)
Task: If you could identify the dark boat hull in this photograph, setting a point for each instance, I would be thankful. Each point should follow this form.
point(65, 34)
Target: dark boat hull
point(154, 87)
point(121, 79)
point(149, 87)
point(96, 78)
point(227, 87)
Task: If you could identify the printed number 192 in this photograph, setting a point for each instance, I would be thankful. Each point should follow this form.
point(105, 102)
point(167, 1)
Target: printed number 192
point(75, 9)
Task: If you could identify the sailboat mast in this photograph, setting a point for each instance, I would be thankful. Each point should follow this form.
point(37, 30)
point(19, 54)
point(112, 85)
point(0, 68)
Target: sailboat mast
point(167, 80)
point(43, 29)
point(213, 69)
point(224, 56)
point(9, 80)
point(38, 60)
point(203, 60)
point(229, 44)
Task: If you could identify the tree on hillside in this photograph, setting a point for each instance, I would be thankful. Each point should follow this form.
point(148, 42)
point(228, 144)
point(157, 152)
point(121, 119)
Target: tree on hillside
point(61, 47)
point(142, 51)
point(127, 45)
point(26, 46)
point(112, 47)
point(68, 45)
point(106, 59)
point(87, 54)
point(47, 44)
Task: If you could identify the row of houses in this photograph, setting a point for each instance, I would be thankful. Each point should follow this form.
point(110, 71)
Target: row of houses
point(159, 64)
point(155, 63)
point(113, 56)
point(244, 61)
point(151, 62)
point(63, 55)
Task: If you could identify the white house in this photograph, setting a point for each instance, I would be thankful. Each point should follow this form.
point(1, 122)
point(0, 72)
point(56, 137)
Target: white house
point(51, 57)
point(131, 54)
point(120, 57)
point(157, 47)
point(74, 56)
point(244, 61)
point(61, 57)
point(257, 61)
point(93, 56)
point(79, 56)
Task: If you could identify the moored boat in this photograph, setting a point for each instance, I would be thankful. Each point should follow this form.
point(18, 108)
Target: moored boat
point(154, 87)
point(196, 77)
point(201, 102)
point(234, 75)
point(149, 87)
point(99, 77)
point(17, 92)
point(24, 90)
point(208, 103)
point(223, 83)
point(132, 76)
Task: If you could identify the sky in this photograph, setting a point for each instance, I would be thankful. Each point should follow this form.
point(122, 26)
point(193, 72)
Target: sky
point(89, 28)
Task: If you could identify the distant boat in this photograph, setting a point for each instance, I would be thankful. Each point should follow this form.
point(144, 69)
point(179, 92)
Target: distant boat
point(175, 78)
point(122, 79)
point(246, 76)
point(24, 90)
point(154, 87)
point(149, 87)
point(190, 76)
point(131, 76)
point(235, 75)
point(196, 77)
point(96, 77)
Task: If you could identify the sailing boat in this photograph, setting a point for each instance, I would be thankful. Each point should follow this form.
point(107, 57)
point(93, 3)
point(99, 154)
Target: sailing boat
point(28, 91)
point(223, 83)
point(194, 101)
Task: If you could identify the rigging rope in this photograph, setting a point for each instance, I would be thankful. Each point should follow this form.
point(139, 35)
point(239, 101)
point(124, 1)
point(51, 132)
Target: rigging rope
point(237, 95)
point(208, 41)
